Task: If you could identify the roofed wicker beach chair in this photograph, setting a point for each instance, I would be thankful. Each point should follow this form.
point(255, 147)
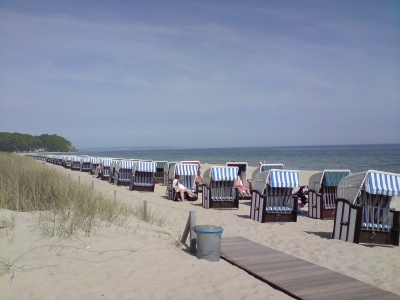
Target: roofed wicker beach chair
point(219, 190)
point(76, 163)
point(105, 165)
point(94, 163)
point(114, 163)
point(59, 160)
point(271, 196)
point(67, 162)
point(50, 159)
point(85, 164)
point(322, 188)
point(123, 171)
point(363, 213)
point(159, 175)
point(187, 175)
point(142, 176)
point(167, 169)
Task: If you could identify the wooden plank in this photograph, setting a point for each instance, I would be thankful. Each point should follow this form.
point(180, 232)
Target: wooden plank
point(294, 276)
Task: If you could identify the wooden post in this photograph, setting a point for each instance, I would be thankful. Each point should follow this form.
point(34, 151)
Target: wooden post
point(193, 235)
point(115, 195)
point(190, 224)
point(92, 185)
point(79, 179)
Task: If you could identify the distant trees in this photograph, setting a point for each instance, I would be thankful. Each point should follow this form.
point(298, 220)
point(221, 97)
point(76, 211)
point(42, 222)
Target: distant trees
point(10, 142)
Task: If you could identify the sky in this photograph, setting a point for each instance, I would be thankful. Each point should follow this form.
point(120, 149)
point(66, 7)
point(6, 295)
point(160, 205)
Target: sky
point(201, 74)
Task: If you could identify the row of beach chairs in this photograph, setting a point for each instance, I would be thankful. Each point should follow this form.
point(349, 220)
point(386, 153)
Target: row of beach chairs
point(358, 203)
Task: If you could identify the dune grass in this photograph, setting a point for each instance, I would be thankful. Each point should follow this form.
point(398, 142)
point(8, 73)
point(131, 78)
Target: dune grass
point(65, 207)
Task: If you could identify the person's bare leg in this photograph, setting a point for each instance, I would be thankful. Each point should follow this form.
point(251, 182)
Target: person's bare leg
point(182, 193)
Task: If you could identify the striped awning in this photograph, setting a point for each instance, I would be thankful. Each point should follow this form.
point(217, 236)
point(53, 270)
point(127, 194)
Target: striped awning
point(332, 178)
point(107, 162)
point(285, 179)
point(382, 184)
point(224, 173)
point(126, 164)
point(186, 169)
point(95, 160)
point(268, 167)
point(146, 166)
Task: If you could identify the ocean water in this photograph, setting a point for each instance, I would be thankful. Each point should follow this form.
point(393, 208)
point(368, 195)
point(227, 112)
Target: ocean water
point(356, 158)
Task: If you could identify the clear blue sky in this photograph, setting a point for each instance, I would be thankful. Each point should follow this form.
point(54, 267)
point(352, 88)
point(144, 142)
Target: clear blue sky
point(201, 73)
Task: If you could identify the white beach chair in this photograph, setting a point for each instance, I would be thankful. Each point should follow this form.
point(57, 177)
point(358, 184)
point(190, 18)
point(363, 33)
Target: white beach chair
point(187, 176)
point(219, 190)
point(322, 189)
point(142, 176)
point(271, 196)
point(363, 213)
point(123, 171)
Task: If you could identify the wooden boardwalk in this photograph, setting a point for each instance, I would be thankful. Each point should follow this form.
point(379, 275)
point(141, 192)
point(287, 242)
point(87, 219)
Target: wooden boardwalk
point(294, 276)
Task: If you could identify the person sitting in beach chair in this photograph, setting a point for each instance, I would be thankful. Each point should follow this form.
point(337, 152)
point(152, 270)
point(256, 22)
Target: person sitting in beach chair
point(181, 189)
point(243, 191)
point(199, 178)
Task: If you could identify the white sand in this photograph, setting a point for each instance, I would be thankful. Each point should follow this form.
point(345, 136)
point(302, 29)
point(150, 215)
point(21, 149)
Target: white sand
point(143, 262)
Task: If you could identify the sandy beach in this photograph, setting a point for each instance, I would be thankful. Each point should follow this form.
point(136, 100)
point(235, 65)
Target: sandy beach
point(143, 261)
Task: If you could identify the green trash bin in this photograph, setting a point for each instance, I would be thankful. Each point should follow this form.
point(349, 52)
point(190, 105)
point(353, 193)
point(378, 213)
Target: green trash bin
point(208, 242)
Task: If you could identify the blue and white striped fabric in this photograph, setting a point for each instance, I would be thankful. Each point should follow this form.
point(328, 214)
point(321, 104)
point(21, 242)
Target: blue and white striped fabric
point(224, 173)
point(382, 184)
point(286, 179)
point(126, 164)
point(146, 166)
point(187, 170)
point(107, 162)
point(332, 178)
point(86, 159)
point(95, 160)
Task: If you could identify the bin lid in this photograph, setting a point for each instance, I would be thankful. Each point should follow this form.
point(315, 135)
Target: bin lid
point(208, 229)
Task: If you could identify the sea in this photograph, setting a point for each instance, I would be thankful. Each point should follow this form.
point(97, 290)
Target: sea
point(356, 158)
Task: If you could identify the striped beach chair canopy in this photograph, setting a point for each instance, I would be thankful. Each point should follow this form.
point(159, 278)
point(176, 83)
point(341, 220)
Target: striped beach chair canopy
point(224, 173)
point(327, 178)
point(333, 177)
point(86, 159)
point(186, 169)
point(283, 179)
point(144, 166)
point(190, 162)
point(275, 179)
point(126, 164)
point(106, 162)
point(76, 158)
point(95, 160)
point(380, 183)
point(372, 182)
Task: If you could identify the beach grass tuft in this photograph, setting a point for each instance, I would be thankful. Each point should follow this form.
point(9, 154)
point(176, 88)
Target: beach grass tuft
point(65, 207)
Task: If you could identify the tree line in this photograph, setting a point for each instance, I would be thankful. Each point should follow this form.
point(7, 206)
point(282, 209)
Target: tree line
point(10, 142)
